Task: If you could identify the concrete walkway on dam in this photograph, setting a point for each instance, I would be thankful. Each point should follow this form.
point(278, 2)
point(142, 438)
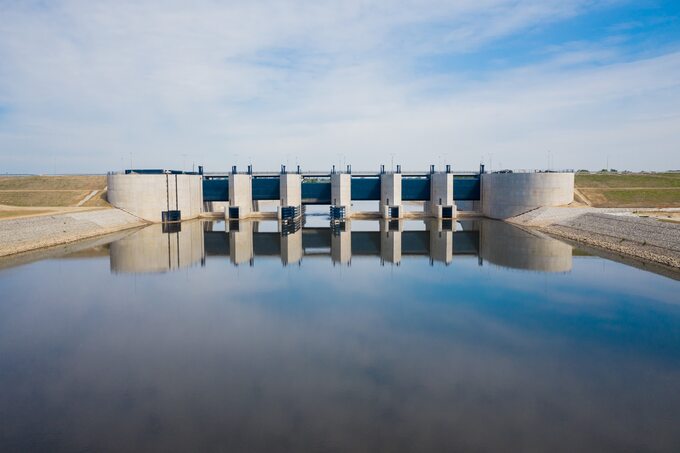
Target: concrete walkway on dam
point(30, 233)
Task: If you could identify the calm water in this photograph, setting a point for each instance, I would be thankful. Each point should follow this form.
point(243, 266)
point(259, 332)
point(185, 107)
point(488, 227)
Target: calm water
point(368, 337)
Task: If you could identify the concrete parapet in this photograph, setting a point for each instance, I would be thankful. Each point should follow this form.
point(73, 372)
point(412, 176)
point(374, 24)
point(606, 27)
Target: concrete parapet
point(390, 194)
point(506, 195)
point(148, 195)
point(341, 192)
point(240, 196)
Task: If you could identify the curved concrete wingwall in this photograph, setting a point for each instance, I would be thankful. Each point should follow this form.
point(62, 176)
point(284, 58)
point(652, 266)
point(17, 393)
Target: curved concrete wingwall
point(506, 195)
point(146, 196)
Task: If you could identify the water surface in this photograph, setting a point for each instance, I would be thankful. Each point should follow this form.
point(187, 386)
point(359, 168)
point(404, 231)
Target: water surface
point(369, 336)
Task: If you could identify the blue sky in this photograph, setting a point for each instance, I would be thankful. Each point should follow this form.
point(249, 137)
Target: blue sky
point(97, 86)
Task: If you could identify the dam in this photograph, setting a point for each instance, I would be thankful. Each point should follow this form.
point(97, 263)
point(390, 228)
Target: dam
point(158, 195)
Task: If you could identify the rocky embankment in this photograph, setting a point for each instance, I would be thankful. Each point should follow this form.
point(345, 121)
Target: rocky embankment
point(616, 230)
point(30, 233)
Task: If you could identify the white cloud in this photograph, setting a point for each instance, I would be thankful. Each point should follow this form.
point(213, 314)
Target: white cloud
point(85, 85)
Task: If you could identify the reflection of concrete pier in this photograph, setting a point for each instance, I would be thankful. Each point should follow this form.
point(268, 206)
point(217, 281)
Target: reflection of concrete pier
point(159, 248)
point(155, 250)
point(341, 243)
point(291, 247)
point(441, 242)
point(508, 246)
point(241, 241)
point(390, 241)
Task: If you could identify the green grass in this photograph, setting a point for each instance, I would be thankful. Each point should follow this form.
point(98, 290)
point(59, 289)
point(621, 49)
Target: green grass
point(644, 197)
point(650, 180)
point(634, 190)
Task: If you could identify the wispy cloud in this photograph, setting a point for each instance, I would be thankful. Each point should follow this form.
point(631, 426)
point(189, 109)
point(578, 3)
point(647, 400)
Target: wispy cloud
point(87, 86)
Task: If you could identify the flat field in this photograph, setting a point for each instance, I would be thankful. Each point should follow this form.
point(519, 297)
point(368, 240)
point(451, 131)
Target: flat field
point(631, 190)
point(53, 191)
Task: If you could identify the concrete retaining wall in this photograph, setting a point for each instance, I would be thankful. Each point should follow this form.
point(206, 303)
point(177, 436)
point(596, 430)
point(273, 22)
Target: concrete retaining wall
point(506, 195)
point(146, 196)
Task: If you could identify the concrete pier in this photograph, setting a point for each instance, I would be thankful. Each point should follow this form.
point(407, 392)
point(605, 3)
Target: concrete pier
point(240, 197)
point(390, 196)
point(441, 196)
point(290, 188)
point(341, 192)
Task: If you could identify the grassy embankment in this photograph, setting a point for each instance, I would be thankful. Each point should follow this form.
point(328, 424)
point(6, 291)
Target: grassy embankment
point(632, 190)
point(32, 195)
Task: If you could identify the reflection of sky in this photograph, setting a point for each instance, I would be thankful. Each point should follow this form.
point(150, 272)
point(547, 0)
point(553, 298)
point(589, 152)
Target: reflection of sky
point(359, 358)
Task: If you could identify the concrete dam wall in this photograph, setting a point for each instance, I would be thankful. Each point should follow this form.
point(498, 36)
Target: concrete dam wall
point(153, 194)
point(148, 195)
point(506, 195)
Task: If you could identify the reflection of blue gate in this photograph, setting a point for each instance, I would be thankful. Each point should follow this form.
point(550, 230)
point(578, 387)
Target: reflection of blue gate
point(337, 212)
point(338, 227)
point(290, 212)
point(171, 227)
point(291, 226)
point(171, 216)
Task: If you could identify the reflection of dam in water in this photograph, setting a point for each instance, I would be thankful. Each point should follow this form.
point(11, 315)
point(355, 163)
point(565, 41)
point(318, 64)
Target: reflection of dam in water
point(159, 248)
point(509, 246)
point(154, 250)
point(392, 242)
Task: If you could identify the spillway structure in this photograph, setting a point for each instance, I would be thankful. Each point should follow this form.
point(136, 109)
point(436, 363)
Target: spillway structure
point(161, 196)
